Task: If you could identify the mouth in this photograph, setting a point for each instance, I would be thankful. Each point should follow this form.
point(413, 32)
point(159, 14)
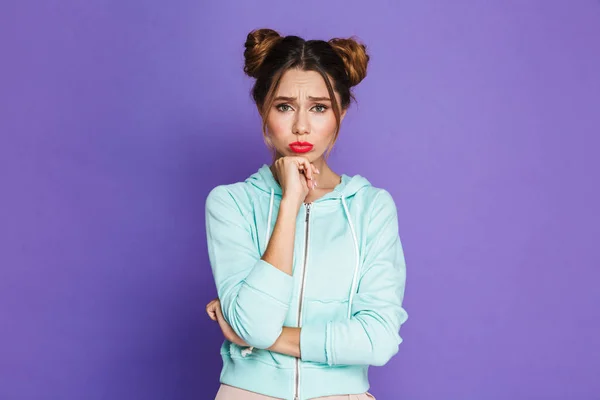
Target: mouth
point(301, 147)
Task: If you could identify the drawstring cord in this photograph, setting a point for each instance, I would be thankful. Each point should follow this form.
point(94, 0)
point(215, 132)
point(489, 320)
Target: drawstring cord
point(357, 255)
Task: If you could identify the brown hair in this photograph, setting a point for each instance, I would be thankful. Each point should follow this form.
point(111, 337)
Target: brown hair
point(268, 55)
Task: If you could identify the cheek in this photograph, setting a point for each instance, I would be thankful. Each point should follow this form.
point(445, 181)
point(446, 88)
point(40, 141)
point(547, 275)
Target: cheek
point(325, 125)
point(278, 126)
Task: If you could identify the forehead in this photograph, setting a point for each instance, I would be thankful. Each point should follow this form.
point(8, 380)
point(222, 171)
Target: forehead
point(294, 80)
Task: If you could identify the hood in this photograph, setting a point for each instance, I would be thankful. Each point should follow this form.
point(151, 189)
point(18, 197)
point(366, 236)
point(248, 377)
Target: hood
point(263, 180)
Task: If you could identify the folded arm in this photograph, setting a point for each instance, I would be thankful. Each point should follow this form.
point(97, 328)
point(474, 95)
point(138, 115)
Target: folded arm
point(254, 293)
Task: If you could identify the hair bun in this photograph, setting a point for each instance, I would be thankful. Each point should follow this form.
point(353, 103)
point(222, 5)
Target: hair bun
point(355, 57)
point(258, 44)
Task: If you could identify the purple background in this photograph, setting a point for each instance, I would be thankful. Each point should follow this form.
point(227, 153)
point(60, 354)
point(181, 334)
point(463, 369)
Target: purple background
point(117, 118)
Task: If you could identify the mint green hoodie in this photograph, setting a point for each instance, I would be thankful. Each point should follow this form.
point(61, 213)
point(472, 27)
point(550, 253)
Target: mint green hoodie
point(346, 291)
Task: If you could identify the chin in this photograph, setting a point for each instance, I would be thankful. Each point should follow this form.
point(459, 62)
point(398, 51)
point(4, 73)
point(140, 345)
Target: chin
point(309, 155)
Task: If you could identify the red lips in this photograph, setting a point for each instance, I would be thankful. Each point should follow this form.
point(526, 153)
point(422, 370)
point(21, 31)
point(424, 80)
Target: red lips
point(301, 147)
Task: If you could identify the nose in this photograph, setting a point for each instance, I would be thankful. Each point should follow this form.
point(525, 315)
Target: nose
point(301, 125)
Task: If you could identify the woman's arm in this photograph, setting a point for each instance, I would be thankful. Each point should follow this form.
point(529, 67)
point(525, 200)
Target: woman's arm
point(254, 292)
point(280, 250)
point(288, 342)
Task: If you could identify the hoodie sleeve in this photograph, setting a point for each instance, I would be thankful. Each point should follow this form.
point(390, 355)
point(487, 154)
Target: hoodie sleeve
point(371, 335)
point(254, 294)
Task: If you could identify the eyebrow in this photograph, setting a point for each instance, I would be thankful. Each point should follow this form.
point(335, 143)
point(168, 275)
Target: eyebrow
point(291, 99)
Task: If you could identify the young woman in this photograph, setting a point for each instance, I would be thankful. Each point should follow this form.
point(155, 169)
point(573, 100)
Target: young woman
point(308, 264)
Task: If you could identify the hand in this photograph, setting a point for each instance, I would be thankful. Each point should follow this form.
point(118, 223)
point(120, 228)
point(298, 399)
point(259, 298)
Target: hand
point(213, 309)
point(296, 177)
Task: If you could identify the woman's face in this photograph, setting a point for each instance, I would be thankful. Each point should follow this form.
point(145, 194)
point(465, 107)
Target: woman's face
point(301, 121)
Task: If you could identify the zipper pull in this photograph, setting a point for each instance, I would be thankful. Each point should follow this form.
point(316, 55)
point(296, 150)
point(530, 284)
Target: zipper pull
point(307, 213)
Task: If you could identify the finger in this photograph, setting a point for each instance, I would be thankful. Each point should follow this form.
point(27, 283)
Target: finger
point(301, 168)
point(211, 313)
point(213, 304)
point(210, 304)
point(314, 171)
point(306, 166)
point(309, 169)
point(310, 183)
point(305, 175)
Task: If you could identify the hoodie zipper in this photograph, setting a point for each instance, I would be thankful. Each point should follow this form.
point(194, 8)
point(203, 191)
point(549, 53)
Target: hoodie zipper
point(300, 300)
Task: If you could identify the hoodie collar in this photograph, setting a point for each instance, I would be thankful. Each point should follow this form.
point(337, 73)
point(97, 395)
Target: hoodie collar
point(264, 181)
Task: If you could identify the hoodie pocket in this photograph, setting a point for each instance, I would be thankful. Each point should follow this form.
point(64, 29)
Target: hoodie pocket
point(322, 311)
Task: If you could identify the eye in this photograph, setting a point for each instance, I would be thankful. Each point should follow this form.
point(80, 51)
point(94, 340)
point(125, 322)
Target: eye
point(281, 107)
point(322, 108)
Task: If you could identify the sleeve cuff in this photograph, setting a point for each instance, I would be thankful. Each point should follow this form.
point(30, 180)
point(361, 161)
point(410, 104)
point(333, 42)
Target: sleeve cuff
point(313, 339)
point(271, 281)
